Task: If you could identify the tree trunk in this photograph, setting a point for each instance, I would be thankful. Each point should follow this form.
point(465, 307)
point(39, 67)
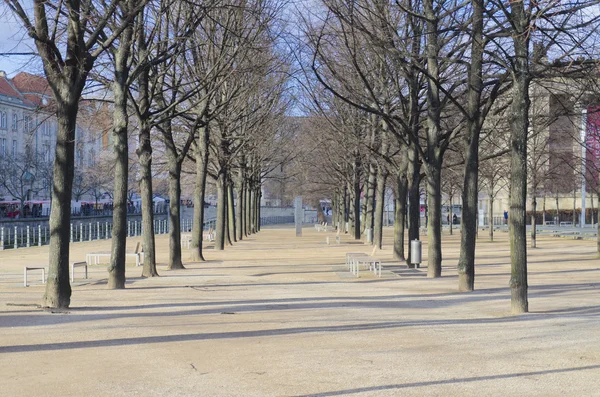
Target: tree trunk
point(334, 214)
point(372, 181)
point(58, 287)
point(399, 215)
point(491, 215)
point(434, 226)
point(414, 199)
point(350, 189)
point(258, 198)
point(533, 228)
point(116, 268)
point(450, 216)
point(248, 209)
point(239, 215)
point(518, 175)
point(221, 214)
point(574, 207)
point(379, 202)
point(557, 220)
point(253, 210)
point(468, 224)
point(344, 211)
point(356, 197)
point(144, 153)
point(175, 261)
point(544, 211)
point(201, 156)
point(228, 218)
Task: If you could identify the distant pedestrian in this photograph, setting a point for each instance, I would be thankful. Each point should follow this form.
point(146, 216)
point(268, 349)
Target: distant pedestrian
point(506, 217)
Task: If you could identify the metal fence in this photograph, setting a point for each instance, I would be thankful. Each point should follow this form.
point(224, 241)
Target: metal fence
point(12, 237)
point(276, 220)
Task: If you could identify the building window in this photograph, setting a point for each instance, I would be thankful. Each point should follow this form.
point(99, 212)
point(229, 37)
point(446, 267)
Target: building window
point(2, 146)
point(46, 149)
point(15, 122)
point(14, 149)
point(27, 123)
point(3, 120)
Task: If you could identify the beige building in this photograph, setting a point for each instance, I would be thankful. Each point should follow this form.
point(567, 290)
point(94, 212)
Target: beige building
point(28, 131)
point(563, 153)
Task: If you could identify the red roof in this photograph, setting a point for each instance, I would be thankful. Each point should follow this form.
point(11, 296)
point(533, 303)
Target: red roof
point(33, 90)
point(8, 89)
point(31, 83)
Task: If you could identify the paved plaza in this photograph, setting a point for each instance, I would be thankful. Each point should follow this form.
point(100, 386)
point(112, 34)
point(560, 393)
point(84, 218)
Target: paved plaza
point(277, 315)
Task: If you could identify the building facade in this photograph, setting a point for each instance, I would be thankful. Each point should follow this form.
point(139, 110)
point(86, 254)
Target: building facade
point(28, 131)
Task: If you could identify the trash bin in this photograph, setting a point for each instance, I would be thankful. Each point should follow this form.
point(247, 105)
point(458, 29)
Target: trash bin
point(369, 235)
point(415, 252)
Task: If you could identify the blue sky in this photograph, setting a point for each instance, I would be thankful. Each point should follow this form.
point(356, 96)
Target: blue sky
point(13, 39)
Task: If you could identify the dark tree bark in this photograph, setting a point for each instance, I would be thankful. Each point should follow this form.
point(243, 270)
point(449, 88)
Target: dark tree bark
point(371, 183)
point(259, 196)
point(533, 225)
point(253, 210)
point(231, 212)
point(248, 208)
point(116, 268)
point(175, 261)
point(491, 216)
point(400, 214)
point(228, 211)
point(201, 157)
point(221, 213)
point(434, 225)
point(519, 125)
point(434, 150)
point(144, 153)
point(414, 198)
point(379, 203)
point(356, 197)
point(466, 261)
point(344, 209)
point(58, 288)
point(239, 214)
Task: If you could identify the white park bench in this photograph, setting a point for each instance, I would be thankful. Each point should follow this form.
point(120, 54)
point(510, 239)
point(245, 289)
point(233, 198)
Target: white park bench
point(186, 239)
point(95, 256)
point(78, 264)
point(28, 268)
point(355, 259)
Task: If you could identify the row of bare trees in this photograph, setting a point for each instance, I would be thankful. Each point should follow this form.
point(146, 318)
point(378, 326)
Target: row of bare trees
point(202, 85)
point(405, 86)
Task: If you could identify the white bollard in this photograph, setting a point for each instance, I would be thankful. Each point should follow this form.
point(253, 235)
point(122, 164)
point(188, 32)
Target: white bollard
point(106, 231)
point(16, 234)
point(39, 235)
point(90, 234)
point(1, 239)
point(97, 230)
point(71, 232)
point(128, 228)
point(81, 232)
point(28, 241)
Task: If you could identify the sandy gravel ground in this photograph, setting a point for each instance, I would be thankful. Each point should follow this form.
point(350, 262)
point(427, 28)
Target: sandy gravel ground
point(277, 315)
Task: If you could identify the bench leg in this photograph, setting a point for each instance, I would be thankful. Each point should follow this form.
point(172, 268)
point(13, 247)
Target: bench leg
point(25, 277)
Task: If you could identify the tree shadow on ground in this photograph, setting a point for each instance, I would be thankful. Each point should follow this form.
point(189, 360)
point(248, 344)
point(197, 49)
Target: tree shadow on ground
point(264, 333)
point(394, 302)
point(450, 381)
